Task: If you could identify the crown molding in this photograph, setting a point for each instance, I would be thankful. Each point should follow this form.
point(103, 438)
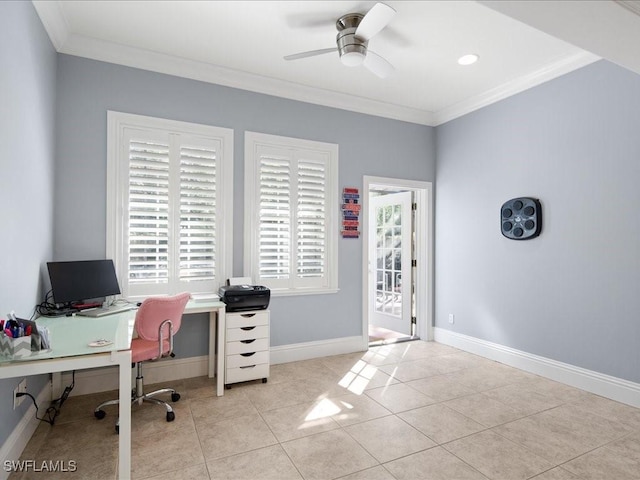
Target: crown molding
point(95, 49)
point(54, 22)
point(65, 42)
point(518, 85)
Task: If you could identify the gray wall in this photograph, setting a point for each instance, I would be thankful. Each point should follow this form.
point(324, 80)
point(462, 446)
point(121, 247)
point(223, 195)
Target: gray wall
point(367, 145)
point(27, 86)
point(572, 294)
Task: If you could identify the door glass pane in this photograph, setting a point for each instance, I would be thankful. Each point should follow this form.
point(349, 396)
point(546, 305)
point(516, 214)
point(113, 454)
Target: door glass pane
point(388, 237)
point(397, 214)
point(380, 238)
point(389, 260)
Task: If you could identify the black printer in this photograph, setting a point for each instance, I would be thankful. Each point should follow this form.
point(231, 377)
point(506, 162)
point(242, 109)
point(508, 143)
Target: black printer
point(240, 298)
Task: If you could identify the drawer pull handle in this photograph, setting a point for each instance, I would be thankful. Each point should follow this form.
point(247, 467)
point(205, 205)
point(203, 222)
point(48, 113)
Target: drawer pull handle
point(248, 354)
point(246, 329)
point(248, 366)
point(248, 341)
point(247, 315)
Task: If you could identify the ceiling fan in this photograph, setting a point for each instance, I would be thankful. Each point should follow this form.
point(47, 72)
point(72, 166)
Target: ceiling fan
point(354, 32)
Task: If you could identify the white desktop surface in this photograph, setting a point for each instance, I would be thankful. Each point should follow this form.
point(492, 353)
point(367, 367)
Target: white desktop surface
point(70, 338)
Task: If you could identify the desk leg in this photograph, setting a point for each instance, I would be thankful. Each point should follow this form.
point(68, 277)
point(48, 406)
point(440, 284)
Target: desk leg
point(221, 337)
point(56, 385)
point(124, 437)
point(212, 343)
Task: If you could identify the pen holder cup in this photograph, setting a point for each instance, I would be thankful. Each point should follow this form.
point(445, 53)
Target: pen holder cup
point(15, 347)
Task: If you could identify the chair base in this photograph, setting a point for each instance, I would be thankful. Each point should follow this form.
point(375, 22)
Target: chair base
point(138, 396)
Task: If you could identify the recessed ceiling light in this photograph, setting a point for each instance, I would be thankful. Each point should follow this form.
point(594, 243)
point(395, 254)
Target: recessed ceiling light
point(468, 59)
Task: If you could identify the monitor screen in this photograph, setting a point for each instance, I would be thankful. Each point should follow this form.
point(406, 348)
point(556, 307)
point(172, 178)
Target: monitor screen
point(82, 280)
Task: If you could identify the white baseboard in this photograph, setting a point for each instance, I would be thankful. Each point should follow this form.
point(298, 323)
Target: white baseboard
point(605, 385)
point(14, 445)
point(104, 379)
point(322, 348)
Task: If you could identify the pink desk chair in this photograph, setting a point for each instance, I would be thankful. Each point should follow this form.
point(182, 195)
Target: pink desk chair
point(158, 319)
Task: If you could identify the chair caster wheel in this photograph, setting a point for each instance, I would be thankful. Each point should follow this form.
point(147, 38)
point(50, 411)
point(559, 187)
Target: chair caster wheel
point(99, 414)
point(171, 416)
point(264, 380)
point(175, 397)
point(227, 387)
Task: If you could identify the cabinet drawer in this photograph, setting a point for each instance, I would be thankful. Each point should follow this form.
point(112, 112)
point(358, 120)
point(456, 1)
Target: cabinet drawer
point(247, 333)
point(246, 359)
point(247, 319)
point(243, 374)
point(247, 346)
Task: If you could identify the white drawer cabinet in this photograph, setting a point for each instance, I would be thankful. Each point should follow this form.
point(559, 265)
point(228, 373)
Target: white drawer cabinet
point(247, 346)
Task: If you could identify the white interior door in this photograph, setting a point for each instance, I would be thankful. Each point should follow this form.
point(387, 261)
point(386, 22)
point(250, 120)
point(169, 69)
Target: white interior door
point(390, 281)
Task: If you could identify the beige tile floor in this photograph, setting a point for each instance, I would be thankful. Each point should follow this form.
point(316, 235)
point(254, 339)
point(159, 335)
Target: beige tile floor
point(412, 410)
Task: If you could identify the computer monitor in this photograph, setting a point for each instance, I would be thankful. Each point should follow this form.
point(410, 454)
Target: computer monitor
point(73, 282)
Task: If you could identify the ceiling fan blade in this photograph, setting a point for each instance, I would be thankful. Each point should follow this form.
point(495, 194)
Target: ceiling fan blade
point(378, 65)
point(375, 20)
point(312, 53)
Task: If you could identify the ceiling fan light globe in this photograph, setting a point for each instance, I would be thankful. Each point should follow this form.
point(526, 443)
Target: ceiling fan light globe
point(352, 59)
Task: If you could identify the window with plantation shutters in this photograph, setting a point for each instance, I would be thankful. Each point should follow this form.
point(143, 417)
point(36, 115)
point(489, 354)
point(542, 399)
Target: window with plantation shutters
point(169, 205)
point(291, 206)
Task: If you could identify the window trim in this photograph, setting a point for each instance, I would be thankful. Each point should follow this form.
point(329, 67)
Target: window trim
point(251, 199)
point(117, 122)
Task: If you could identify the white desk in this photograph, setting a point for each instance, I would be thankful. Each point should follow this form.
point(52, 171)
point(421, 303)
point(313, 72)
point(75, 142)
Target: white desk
point(216, 310)
point(70, 337)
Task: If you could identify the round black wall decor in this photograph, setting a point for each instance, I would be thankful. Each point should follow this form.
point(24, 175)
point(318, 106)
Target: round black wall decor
point(521, 218)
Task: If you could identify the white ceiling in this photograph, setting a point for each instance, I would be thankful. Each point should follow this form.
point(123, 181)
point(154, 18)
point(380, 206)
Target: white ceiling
point(242, 44)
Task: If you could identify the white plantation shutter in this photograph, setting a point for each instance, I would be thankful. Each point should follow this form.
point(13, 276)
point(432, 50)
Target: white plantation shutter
point(311, 213)
point(167, 191)
point(274, 217)
point(291, 208)
point(197, 213)
point(148, 256)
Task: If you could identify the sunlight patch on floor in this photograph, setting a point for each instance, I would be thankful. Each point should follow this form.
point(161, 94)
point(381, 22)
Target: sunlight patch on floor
point(323, 409)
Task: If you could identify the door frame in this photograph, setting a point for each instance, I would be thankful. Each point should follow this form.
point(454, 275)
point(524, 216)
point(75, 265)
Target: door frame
point(423, 195)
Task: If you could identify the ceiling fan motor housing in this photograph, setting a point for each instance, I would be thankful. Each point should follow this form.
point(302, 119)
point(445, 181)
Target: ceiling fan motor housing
point(352, 49)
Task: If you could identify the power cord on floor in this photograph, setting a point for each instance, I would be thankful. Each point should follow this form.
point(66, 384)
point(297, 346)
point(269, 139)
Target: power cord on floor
point(51, 412)
point(54, 409)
